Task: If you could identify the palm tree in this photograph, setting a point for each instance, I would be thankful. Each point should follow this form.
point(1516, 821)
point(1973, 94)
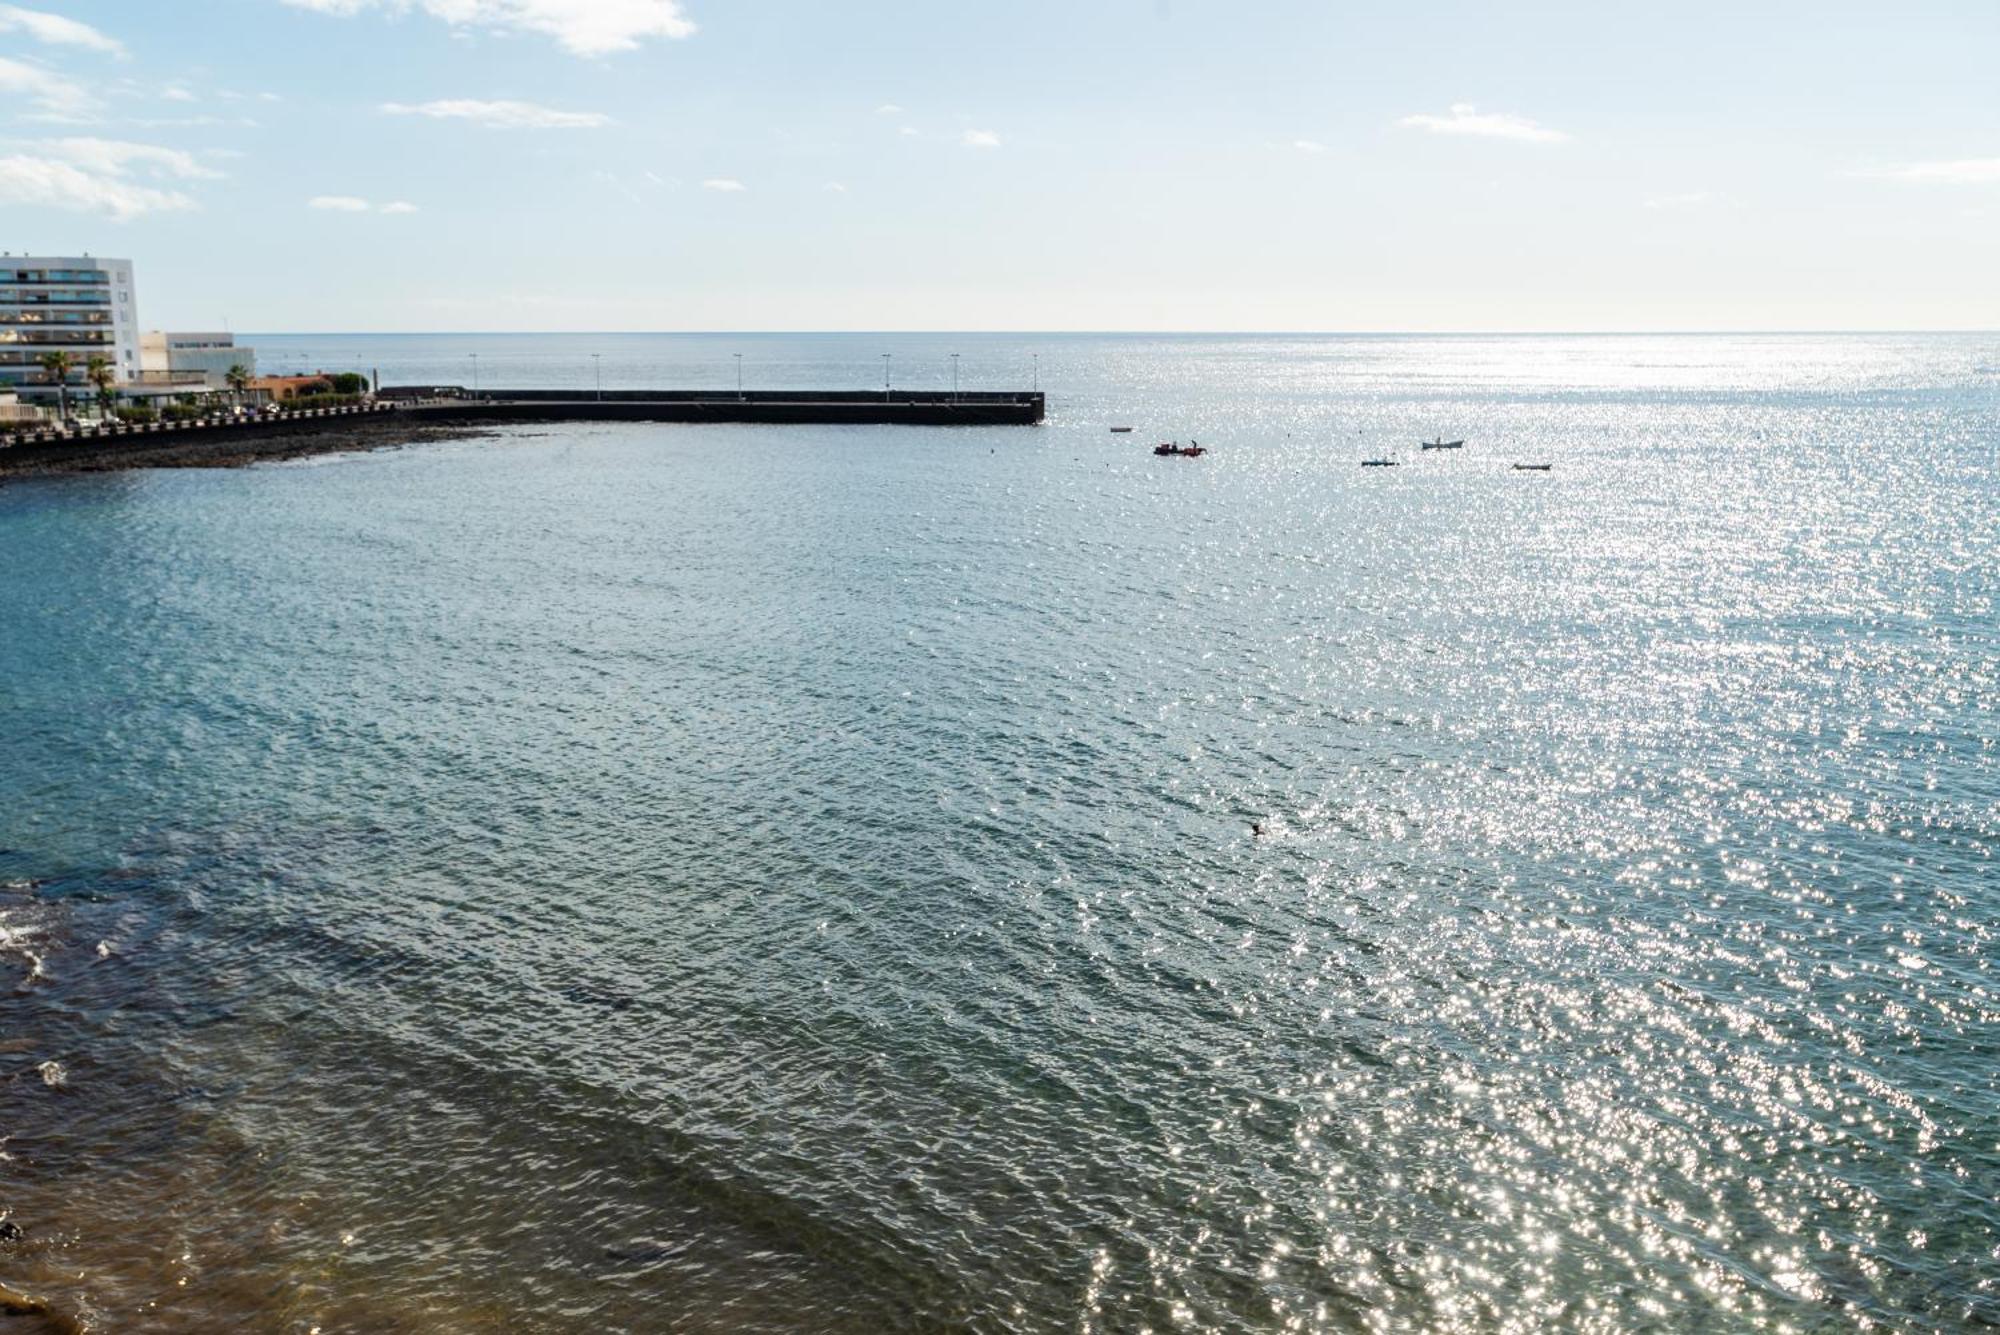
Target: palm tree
point(59, 364)
point(100, 372)
point(239, 380)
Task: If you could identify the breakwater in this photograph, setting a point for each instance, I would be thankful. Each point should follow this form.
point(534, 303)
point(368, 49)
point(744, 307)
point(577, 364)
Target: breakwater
point(409, 413)
point(868, 407)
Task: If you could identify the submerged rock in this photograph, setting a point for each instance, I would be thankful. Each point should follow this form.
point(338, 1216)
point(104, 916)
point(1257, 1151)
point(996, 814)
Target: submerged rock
point(16, 1303)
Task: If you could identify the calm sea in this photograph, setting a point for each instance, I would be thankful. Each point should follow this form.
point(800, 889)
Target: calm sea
point(729, 878)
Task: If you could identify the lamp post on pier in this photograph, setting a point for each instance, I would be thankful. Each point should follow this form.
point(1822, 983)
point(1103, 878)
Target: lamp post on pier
point(885, 377)
point(954, 377)
point(739, 374)
point(597, 367)
point(475, 371)
point(1038, 370)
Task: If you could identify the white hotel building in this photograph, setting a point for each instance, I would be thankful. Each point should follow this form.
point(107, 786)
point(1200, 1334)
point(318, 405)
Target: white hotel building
point(198, 360)
point(76, 304)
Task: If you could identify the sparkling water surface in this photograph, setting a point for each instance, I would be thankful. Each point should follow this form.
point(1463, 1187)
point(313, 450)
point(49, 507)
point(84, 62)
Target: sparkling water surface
point(732, 878)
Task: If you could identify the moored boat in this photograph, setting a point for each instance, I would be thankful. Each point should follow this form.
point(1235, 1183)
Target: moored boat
point(1121, 430)
point(1378, 463)
point(1532, 468)
point(1191, 450)
point(1442, 444)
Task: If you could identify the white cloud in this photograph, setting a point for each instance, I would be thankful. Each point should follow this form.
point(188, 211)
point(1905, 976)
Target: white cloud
point(582, 27)
point(724, 184)
point(97, 176)
point(888, 109)
point(908, 132)
point(399, 206)
point(1964, 171)
point(116, 157)
point(612, 179)
point(1468, 119)
point(58, 98)
point(981, 139)
point(501, 115)
point(39, 182)
point(175, 93)
point(57, 30)
point(643, 188)
point(338, 203)
point(834, 188)
point(184, 122)
point(1308, 146)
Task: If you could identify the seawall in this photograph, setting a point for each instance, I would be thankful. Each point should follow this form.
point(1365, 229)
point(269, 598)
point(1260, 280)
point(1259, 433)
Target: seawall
point(905, 407)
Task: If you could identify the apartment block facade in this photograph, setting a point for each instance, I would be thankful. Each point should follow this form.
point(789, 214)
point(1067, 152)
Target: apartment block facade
point(76, 304)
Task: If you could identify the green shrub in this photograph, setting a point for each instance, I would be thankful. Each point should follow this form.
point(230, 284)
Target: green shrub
point(350, 382)
point(137, 416)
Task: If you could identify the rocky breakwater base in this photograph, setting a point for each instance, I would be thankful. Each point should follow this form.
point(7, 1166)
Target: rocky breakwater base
point(222, 442)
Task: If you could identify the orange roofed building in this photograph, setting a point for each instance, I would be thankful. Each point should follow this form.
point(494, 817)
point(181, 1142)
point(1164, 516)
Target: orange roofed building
point(282, 387)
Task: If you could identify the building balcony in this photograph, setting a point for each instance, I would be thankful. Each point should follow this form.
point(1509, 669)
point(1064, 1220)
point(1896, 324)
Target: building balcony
point(69, 277)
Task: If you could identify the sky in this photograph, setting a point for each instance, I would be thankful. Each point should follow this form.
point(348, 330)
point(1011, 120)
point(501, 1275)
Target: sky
point(1283, 165)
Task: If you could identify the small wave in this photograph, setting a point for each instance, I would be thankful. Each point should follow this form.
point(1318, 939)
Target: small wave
point(15, 943)
point(318, 460)
point(54, 1074)
point(17, 940)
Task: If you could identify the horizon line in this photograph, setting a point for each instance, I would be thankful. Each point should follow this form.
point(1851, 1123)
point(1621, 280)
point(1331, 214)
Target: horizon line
point(1126, 333)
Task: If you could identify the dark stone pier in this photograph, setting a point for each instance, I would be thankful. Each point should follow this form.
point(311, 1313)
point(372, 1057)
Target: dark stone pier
point(454, 403)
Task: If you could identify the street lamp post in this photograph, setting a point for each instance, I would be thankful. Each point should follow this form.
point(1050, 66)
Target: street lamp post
point(954, 377)
point(885, 377)
point(597, 366)
point(475, 371)
point(1038, 369)
point(739, 373)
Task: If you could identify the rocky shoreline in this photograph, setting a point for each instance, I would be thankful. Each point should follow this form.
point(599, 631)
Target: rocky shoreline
point(231, 448)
